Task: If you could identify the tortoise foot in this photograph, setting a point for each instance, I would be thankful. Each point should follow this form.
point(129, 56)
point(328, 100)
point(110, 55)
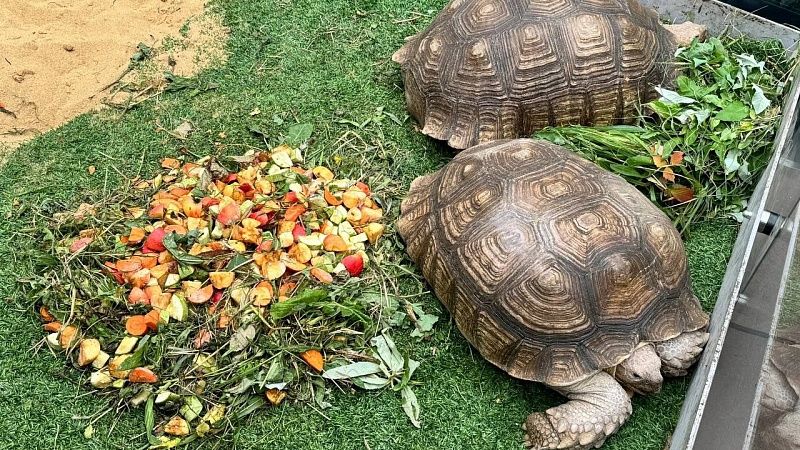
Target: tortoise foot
point(541, 434)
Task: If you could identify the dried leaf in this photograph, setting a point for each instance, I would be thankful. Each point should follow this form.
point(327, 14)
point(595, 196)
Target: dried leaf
point(411, 405)
point(182, 131)
point(242, 338)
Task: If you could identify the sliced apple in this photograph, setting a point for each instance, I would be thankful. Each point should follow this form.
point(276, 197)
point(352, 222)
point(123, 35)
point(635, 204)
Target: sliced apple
point(261, 295)
point(202, 295)
point(323, 173)
point(273, 270)
point(300, 253)
point(354, 264)
point(229, 214)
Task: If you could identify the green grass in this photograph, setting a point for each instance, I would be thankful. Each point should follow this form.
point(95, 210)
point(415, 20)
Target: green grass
point(304, 61)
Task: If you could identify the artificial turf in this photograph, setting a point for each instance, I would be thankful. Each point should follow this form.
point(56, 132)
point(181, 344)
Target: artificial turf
point(296, 61)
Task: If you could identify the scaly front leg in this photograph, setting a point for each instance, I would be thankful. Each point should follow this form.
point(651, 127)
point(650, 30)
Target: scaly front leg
point(679, 353)
point(598, 406)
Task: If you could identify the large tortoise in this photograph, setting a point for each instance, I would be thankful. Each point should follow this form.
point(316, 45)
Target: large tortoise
point(557, 272)
point(493, 69)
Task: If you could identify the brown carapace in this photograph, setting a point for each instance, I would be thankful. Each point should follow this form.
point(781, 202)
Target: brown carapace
point(494, 69)
point(553, 268)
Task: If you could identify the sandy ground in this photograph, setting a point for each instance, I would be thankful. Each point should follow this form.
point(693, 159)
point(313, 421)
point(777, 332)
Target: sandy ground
point(58, 58)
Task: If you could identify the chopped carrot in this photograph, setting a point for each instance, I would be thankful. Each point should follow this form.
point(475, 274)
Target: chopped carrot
point(314, 359)
point(142, 375)
point(44, 313)
point(293, 212)
point(52, 327)
point(136, 325)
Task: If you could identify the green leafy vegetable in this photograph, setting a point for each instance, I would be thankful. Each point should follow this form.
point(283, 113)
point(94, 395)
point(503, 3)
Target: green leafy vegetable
point(299, 133)
point(700, 152)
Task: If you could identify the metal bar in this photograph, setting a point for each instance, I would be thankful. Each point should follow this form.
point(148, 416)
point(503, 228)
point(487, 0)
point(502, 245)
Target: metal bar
point(722, 18)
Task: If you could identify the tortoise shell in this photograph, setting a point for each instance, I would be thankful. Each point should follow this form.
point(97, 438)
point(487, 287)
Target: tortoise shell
point(552, 268)
point(494, 69)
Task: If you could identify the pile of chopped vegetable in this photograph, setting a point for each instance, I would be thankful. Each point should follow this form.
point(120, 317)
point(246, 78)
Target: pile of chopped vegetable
point(218, 291)
point(698, 150)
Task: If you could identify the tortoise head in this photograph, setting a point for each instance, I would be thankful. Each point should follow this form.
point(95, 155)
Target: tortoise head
point(641, 372)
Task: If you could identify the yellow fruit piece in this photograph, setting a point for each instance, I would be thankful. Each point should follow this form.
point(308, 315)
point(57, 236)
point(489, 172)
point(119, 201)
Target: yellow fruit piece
point(101, 360)
point(354, 215)
point(285, 226)
point(334, 243)
point(261, 295)
point(250, 223)
point(189, 287)
point(237, 246)
point(286, 239)
point(68, 336)
point(352, 199)
point(194, 223)
point(238, 293)
point(291, 264)
point(370, 214)
point(221, 280)
point(126, 345)
point(114, 367)
point(89, 351)
point(177, 426)
point(300, 253)
point(323, 173)
point(100, 379)
point(264, 186)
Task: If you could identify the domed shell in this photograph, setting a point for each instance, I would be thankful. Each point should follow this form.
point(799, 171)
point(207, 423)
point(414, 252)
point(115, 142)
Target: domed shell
point(551, 267)
point(494, 69)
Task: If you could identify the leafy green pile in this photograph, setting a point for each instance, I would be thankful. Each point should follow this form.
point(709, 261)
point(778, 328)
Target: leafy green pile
point(702, 148)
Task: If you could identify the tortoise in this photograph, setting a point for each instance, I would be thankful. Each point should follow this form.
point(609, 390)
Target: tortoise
point(557, 272)
point(493, 69)
point(779, 418)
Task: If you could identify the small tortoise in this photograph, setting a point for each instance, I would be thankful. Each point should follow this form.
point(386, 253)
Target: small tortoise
point(493, 69)
point(557, 272)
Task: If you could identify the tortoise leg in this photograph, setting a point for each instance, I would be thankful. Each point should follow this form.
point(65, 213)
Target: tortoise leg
point(598, 406)
point(679, 353)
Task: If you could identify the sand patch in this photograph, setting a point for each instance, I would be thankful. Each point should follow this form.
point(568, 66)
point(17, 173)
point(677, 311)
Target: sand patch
point(59, 59)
